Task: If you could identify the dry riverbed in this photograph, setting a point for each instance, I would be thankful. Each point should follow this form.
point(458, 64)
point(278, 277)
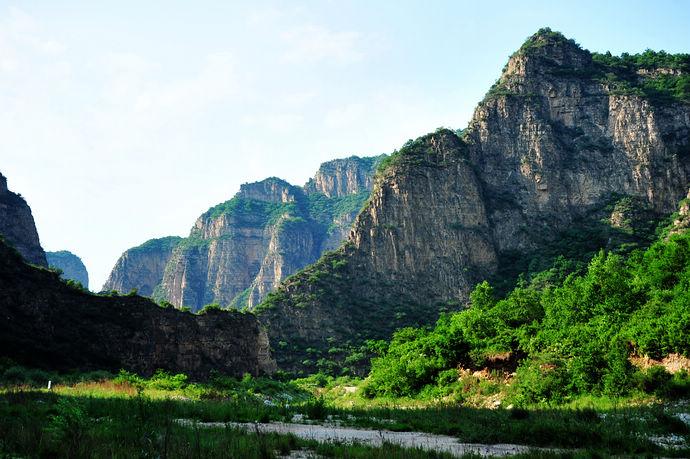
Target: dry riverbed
point(337, 434)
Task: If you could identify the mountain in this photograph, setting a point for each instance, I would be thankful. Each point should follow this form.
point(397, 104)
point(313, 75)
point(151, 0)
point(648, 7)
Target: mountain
point(48, 324)
point(17, 225)
point(569, 152)
point(142, 267)
point(241, 249)
point(71, 266)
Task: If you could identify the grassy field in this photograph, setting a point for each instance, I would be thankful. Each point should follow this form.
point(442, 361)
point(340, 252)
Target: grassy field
point(102, 415)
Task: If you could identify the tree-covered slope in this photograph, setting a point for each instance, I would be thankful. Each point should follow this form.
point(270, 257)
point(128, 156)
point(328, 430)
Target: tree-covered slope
point(566, 334)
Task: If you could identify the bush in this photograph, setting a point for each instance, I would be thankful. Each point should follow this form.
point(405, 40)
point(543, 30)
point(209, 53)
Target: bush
point(166, 381)
point(541, 381)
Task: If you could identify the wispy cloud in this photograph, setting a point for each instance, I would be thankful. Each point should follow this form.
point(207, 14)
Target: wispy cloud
point(21, 35)
point(311, 43)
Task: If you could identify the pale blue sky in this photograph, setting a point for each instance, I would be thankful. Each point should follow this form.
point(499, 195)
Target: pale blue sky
point(125, 120)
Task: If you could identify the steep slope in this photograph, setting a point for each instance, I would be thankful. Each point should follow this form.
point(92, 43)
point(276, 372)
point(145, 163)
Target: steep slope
point(561, 143)
point(50, 325)
point(142, 267)
point(17, 225)
point(240, 250)
point(342, 177)
point(71, 266)
point(233, 242)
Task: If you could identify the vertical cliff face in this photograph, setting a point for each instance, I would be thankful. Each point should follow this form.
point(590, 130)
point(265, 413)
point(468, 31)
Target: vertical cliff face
point(17, 225)
point(429, 195)
point(557, 145)
point(48, 324)
point(71, 266)
point(142, 267)
point(554, 143)
point(342, 177)
point(240, 250)
point(234, 242)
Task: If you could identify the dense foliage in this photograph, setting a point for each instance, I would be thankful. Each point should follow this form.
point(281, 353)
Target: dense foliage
point(657, 75)
point(570, 336)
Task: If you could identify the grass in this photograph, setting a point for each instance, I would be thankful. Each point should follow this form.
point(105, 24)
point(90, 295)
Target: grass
point(128, 416)
point(114, 424)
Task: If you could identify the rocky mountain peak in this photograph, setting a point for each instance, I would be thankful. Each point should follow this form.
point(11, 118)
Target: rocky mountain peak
point(554, 46)
point(3, 184)
point(273, 190)
point(543, 52)
point(342, 177)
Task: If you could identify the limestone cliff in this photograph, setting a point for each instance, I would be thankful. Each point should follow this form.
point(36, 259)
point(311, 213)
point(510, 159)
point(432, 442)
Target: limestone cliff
point(557, 147)
point(341, 177)
point(240, 250)
point(17, 225)
point(234, 242)
point(71, 266)
point(47, 324)
point(142, 267)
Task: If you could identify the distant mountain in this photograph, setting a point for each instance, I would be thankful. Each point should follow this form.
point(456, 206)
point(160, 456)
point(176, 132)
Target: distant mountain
point(240, 250)
point(142, 267)
point(17, 225)
point(71, 266)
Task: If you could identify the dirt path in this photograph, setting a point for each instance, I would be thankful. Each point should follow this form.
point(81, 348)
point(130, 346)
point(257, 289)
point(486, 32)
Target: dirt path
point(332, 434)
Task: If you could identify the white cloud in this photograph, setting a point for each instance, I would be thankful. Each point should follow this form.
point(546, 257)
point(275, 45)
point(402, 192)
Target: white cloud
point(342, 117)
point(283, 123)
point(311, 43)
point(264, 17)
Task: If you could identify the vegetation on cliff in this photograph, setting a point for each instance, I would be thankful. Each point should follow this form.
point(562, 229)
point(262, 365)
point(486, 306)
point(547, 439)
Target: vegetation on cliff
point(567, 336)
point(658, 76)
point(240, 249)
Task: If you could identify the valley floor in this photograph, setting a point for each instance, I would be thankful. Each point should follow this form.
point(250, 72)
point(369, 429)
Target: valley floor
point(101, 415)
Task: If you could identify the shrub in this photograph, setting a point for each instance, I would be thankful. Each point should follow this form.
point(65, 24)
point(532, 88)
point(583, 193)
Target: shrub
point(166, 381)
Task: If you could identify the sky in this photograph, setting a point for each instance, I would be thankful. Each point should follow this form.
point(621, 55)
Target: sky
point(123, 120)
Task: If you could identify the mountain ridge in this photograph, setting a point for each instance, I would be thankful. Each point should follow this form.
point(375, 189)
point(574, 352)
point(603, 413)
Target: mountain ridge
point(238, 250)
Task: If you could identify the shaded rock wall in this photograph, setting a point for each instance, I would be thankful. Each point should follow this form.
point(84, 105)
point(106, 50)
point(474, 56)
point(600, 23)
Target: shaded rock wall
point(71, 266)
point(142, 267)
point(17, 225)
point(50, 325)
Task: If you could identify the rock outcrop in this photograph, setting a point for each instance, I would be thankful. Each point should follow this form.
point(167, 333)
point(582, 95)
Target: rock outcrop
point(141, 268)
point(342, 177)
point(17, 225)
point(240, 250)
point(71, 266)
point(552, 149)
point(48, 324)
